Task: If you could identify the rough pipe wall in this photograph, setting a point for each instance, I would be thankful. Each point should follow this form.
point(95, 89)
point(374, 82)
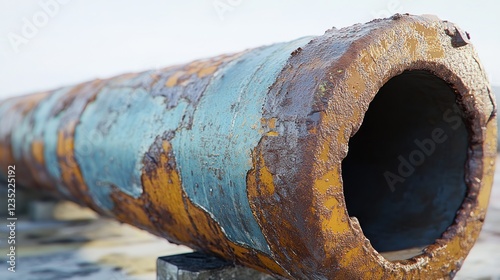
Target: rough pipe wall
point(241, 155)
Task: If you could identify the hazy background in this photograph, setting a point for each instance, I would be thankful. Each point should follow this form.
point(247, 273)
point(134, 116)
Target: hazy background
point(74, 40)
point(46, 44)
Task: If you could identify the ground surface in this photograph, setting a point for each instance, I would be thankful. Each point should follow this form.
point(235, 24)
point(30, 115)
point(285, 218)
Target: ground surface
point(94, 249)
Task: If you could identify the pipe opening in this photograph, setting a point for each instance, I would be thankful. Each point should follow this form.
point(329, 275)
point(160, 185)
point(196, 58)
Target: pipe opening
point(404, 175)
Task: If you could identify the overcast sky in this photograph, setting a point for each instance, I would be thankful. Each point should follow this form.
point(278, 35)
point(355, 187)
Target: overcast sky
point(46, 44)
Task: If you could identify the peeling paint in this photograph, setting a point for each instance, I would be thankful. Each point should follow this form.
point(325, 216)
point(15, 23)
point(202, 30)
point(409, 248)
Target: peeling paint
point(241, 155)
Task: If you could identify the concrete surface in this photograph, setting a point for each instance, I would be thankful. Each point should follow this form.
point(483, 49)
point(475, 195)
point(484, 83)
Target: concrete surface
point(200, 266)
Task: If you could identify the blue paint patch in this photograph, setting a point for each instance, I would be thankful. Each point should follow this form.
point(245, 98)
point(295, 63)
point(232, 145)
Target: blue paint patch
point(214, 156)
point(113, 136)
point(41, 125)
point(34, 125)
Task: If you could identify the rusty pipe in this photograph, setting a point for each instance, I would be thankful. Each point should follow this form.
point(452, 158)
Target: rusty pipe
point(367, 152)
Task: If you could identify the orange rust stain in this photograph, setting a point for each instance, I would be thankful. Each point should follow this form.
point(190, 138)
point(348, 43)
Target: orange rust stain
point(266, 186)
point(207, 71)
point(30, 167)
point(252, 190)
point(281, 233)
point(261, 190)
point(484, 195)
point(35, 168)
point(268, 124)
point(37, 164)
point(350, 256)
point(272, 133)
point(430, 36)
point(366, 59)
point(327, 181)
point(333, 220)
point(324, 147)
point(6, 157)
point(199, 68)
point(373, 53)
point(355, 83)
point(271, 123)
point(490, 153)
point(411, 45)
point(126, 76)
point(330, 203)
point(165, 209)
point(271, 264)
point(263, 122)
point(27, 103)
point(172, 80)
point(327, 139)
point(324, 153)
point(313, 130)
point(327, 187)
point(134, 212)
point(331, 211)
point(454, 246)
point(37, 150)
point(71, 175)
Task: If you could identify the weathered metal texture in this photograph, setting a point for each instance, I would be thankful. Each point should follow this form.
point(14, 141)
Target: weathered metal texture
point(241, 155)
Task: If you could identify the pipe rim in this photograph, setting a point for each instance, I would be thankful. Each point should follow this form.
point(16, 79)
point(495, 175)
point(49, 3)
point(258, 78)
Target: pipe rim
point(446, 62)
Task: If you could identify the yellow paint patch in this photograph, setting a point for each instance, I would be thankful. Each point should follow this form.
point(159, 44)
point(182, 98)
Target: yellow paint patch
point(207, 71)
point(165, 208)
point(488, 164)
point(173, 80)
point(267, 181)
point(199, 68)
point(372, 54)
point(269, 263)
point(355, 83)
point(334, 222)
point(268, 125)
point(37, 151)
point(327, 181)
point(332, 211)
point(271, 123)
point(330, 202)
point(350, 256)
point(366, 59)
point(411, 45)
point(71, 175)
point(430, 36)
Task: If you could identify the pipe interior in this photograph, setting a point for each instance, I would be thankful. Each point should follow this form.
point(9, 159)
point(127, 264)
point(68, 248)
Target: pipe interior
point(404, 174)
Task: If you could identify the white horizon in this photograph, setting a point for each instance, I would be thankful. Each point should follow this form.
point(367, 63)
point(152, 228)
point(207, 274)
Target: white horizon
point(83, 40)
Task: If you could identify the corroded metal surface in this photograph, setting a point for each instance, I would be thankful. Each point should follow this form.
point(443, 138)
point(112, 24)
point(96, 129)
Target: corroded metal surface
point(241, 155)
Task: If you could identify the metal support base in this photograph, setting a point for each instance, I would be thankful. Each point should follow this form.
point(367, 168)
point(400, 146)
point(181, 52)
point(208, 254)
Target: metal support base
point(199, 265)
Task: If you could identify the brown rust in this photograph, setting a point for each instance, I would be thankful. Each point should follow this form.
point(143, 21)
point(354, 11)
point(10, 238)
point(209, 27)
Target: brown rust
point(293, 219)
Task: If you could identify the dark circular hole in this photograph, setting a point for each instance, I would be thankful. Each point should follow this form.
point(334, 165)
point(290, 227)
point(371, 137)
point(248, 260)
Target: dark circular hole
point(404, 174)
